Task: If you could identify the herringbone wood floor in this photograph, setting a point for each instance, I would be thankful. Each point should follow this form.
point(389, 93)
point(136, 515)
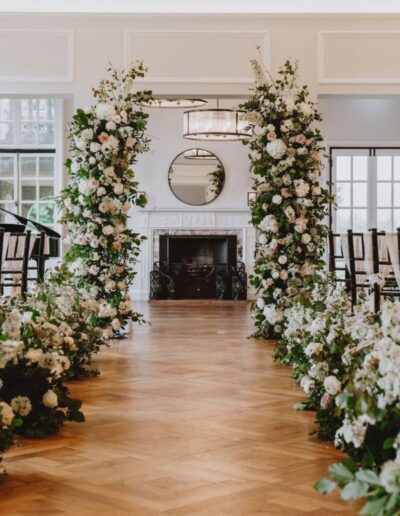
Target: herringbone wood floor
point(188, 417)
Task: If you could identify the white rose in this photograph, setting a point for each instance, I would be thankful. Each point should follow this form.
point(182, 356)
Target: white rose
point(94, 270)
point(275, 274)
point(301, 187)
point(272, 314)
point(110, 126)
point(269, 224)
point(260, 303)
point(282, 259)
point(283, 275)
point(108, 230)
point(118, 188)
point(95, 147)
point(6, 414)
point(307, 384)
point(270, 128)
point(50, 399)
point(21, 405)
point(104, 207)
point(306, 238)
point(332, 385)
point(262, 239)
point(276, 199)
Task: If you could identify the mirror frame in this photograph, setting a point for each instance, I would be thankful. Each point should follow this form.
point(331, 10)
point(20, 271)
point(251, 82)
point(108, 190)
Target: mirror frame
point(169, 182)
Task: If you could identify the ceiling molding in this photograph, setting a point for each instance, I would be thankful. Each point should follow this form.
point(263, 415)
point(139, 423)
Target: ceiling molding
point(270, 7)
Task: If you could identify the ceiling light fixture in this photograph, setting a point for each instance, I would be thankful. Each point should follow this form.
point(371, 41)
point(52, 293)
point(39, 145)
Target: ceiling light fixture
point(174, 103)
point(198, 154)
point(215, 124)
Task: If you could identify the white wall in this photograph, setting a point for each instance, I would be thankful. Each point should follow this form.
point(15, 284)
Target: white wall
point(360, 120)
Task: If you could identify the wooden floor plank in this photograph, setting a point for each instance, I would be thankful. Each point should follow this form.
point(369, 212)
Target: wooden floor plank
point(189, 416)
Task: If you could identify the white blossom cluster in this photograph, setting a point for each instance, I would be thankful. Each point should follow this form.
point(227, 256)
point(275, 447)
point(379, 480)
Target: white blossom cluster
point(285, 150)
point(106, 139)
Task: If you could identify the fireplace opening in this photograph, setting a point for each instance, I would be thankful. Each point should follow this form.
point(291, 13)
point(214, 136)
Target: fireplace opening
point(198, 251)
point(198, 266)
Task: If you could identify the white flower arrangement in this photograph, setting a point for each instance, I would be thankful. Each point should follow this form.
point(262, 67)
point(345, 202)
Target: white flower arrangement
point(285, 150)
point(106, 139)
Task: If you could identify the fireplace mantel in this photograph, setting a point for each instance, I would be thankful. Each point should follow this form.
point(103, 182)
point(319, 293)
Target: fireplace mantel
point(153, 221)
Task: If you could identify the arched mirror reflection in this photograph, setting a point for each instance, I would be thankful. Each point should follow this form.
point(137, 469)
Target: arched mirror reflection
point(196, 177)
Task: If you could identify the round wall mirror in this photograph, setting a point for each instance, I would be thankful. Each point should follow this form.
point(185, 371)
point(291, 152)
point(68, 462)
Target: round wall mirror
point(196, 177)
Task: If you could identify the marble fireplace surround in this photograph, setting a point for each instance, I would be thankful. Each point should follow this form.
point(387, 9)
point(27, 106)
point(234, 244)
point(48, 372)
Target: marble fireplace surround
point(153, 222)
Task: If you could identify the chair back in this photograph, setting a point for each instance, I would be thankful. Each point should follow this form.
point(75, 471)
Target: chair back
point(15, 250)
point(336, 262)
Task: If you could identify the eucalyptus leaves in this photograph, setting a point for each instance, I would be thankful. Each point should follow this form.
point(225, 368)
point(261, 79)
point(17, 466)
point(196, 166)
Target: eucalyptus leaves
point(105, 140)
point(291, 205)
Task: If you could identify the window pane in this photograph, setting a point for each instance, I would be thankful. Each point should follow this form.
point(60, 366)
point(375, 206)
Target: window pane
point(28, 191)
point(360, 168)
point(46, 166)
point(343, 194)
point(396, 168)
point(396, 219)
point(46, 191)
point(46, 134)
point(343, 168)
point(360, 220)
point(6, 133)
point(7, 190)
point(28, 166)
point(384, 168)
point(384, 220)
point(29, 133)
point(46, 213)
point(29, 109)
point(28, 210)
point(384, 194)
point(360, 195)
point(6, 166)
point(5, 217)
point(46, 109)
point(396, 194)
point(6, 109)
point(342, 220)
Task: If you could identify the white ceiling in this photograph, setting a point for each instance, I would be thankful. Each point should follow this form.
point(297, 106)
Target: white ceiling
point(202, 6)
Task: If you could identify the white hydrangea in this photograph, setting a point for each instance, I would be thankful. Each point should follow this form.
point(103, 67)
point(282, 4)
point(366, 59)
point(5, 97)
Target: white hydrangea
point(332, 385)
point(276, 149)
point(269, 224)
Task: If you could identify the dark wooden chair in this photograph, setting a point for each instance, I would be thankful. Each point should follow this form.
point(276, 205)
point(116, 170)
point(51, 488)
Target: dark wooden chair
point(15, 260)
point(38, 257)
point(358, 275)
point(390, 287)
point(336, 264)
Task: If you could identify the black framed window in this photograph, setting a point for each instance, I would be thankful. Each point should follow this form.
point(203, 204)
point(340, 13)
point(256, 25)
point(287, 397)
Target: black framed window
point(366, 186)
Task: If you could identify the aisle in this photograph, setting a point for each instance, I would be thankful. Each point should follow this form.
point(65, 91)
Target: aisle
point(188, 417)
